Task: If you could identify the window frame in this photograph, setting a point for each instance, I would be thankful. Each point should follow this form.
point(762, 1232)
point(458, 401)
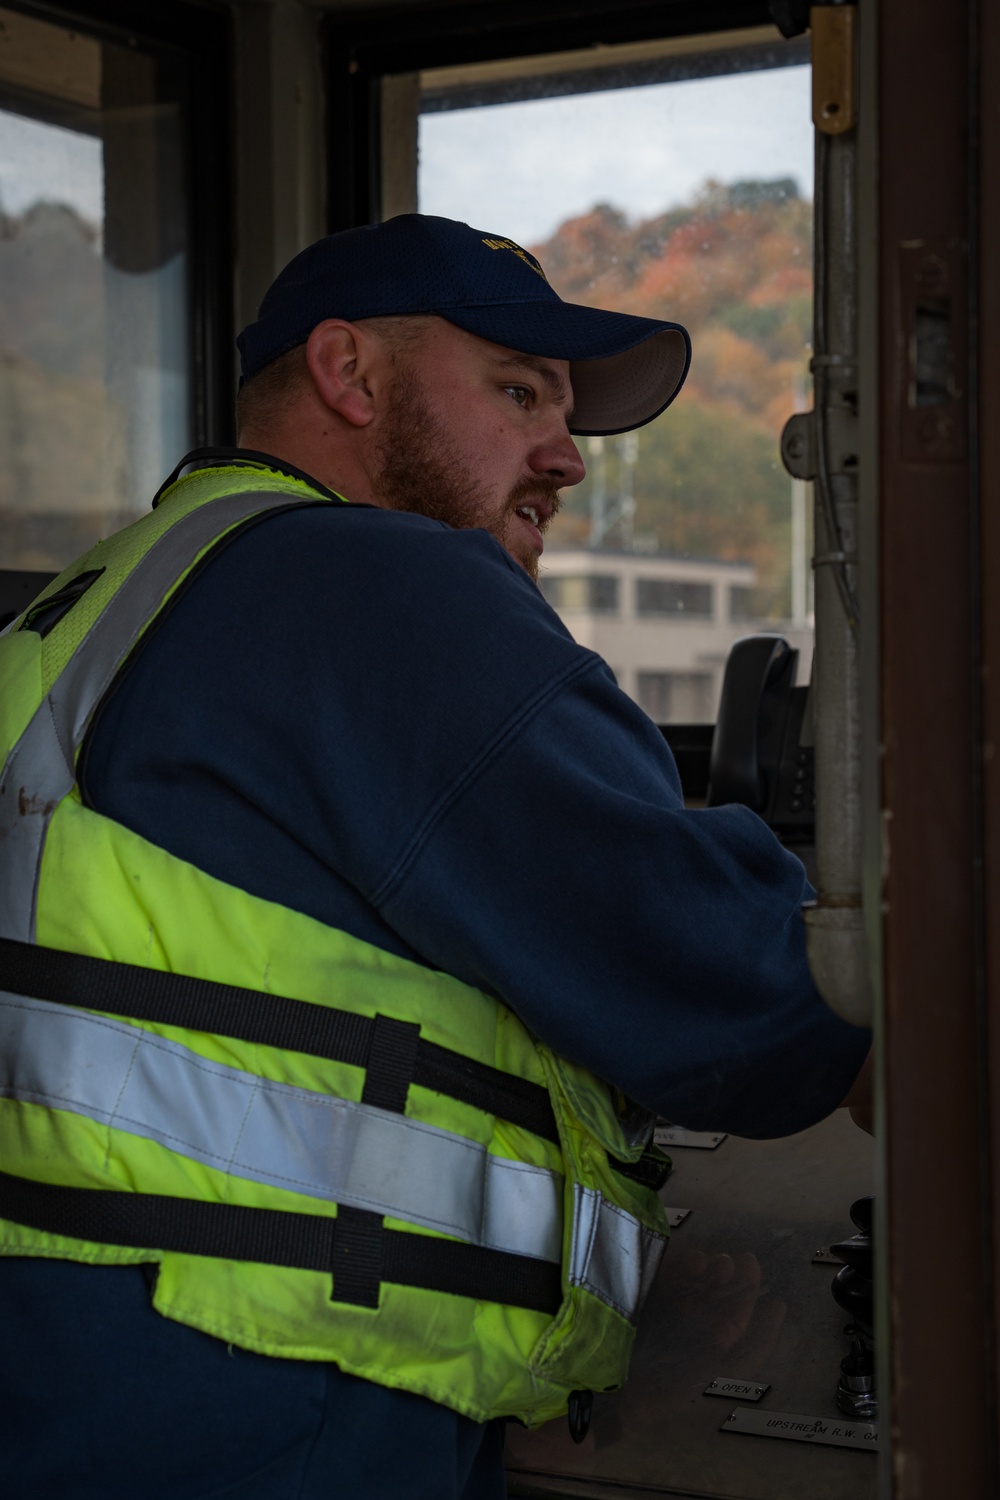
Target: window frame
point(361, 48)
point(202, 33)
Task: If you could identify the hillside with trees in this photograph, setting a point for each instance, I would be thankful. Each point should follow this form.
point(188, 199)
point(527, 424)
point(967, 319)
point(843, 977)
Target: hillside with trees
point(735, 267)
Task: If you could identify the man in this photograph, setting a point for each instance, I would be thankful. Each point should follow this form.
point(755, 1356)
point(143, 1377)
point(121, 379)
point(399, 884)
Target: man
point(311, 1219)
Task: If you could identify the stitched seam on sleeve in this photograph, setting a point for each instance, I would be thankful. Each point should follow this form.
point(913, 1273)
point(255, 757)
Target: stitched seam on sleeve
point(491, 752)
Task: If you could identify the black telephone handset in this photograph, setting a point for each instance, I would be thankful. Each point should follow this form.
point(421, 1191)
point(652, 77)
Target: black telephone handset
point(761, 751)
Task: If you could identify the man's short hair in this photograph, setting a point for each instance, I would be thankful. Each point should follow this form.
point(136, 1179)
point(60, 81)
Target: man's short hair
point(270, 392)
point(272, 389)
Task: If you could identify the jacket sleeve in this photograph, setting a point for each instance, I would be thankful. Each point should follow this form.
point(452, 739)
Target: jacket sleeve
point(662, 947)
point(390, 730)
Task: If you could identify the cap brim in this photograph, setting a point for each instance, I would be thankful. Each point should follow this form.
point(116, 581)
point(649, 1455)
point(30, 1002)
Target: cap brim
point(625, 370)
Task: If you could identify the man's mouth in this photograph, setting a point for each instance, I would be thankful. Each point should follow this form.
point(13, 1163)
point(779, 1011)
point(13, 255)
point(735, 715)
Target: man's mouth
point(536, 512)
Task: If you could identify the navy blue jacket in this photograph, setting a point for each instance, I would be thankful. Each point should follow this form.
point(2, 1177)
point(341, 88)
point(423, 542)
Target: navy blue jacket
point(378, 720)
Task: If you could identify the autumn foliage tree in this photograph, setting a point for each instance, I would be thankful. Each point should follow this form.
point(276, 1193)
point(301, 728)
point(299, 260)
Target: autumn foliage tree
point(735, 267)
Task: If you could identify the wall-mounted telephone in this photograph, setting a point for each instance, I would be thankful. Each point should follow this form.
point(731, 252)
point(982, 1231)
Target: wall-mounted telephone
point(760, 752)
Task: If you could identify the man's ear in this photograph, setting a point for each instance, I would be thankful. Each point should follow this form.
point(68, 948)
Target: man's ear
point(343, 362)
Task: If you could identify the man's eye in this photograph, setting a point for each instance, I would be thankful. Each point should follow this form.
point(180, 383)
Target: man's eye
point(519, 393)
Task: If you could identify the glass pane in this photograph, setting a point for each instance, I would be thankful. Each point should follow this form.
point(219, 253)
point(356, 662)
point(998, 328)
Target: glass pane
point(595, 592)
point(674, 697)
point(93, 287)
point(688, 200)
point(664, 596)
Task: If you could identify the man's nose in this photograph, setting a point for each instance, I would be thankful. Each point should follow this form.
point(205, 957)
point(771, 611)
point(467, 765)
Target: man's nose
point(559, 458)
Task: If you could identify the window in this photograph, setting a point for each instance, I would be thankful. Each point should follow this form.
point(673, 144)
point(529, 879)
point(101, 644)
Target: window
point(98, 338)
point(675, 697)
point(595, 592)
point(683, 192)
point(742, 602)
point(673, 597)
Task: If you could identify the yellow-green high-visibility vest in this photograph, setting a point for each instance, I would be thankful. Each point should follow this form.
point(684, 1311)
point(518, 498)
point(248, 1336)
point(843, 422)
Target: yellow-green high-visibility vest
point(330, 1152)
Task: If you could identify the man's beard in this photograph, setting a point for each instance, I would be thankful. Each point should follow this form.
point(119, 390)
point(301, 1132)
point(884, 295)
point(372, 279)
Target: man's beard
point(420, 470)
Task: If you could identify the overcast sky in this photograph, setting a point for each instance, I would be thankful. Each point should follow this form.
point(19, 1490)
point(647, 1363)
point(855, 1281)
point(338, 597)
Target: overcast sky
point(45, 161)
point(521, 169)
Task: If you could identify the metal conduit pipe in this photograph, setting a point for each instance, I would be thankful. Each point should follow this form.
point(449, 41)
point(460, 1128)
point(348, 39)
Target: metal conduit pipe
point(822, 445)
point(836, 940)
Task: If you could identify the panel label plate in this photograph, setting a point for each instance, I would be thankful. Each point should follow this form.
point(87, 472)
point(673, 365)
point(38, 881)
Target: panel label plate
point(676, 1135)
point(736, 1390)
point(838, 1432)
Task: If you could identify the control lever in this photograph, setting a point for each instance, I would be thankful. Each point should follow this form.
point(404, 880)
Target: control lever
point(853, 1289)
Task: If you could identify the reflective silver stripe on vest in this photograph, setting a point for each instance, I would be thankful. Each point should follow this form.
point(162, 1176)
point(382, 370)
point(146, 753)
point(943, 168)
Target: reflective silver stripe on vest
point(613, 1255)
point(40, 768)
point(292, 1138)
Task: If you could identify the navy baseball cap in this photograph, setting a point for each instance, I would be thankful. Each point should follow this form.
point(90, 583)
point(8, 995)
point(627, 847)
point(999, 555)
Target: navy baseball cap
point(625, 370)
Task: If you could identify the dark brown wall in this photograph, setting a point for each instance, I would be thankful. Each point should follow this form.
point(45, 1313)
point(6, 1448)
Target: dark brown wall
point(937, 1098)
point(989, 490)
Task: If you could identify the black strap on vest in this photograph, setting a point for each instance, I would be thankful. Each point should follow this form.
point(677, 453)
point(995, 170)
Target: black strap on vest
point(44, 615)
point(651, 1170)
point(355, 1246)
point(393, 1051)
point(201, 458)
